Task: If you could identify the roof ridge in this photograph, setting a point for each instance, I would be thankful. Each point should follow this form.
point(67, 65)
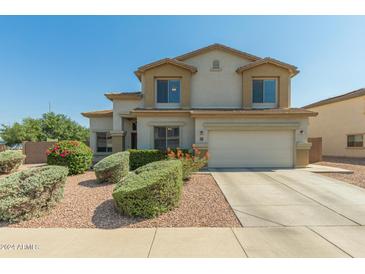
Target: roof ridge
point(216, 46)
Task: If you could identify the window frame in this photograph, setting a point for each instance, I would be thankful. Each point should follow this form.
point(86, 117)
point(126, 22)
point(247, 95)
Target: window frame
point(168, 104)
point(108, 140)
point(166, 137)
point(263, 104)
point(354, 147)
point(214, 68)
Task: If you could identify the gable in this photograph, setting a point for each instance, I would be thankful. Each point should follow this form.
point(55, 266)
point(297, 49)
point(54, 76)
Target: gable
point(218, 47)
point(204, 61)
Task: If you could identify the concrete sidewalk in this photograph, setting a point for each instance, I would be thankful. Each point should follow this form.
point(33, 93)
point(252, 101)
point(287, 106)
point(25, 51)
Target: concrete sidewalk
point(318, 241)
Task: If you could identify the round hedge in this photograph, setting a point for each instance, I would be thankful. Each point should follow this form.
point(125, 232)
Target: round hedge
point(113, 168)
point(10, 161)
point(74, 154)
point(31, 192)
point(151, 190)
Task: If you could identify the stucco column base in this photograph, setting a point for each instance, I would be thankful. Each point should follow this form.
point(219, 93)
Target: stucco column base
point(117, 140)
point(302, 154)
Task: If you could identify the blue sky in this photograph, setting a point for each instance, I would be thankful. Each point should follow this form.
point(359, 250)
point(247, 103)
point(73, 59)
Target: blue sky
point(72, 61)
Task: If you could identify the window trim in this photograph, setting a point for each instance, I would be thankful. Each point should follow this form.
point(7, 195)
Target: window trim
point(167, 126)
point(173, 105)
point(355, 147)
point(108, 149)
point(266, 105)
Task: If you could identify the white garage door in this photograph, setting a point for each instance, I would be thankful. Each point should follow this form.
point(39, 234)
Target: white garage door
point(251, 148)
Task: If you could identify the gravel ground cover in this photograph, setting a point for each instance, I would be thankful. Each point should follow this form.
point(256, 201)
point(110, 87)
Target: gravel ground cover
point(357, 165)
point(88, 204)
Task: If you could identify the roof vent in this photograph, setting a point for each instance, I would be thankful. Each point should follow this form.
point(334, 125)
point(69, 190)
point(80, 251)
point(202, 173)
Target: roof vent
point(216, 65)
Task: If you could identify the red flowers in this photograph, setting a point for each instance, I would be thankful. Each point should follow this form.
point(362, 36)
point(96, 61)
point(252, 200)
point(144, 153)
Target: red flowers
point(57, 151)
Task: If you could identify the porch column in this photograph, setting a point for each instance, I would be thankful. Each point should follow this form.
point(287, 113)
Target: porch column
point(117, 140)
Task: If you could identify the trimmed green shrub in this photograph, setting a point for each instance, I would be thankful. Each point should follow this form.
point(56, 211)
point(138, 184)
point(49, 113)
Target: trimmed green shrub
point(74, 154)
point(31, 192)
point(10, 161)
point(150, 190)
point(112, 168)
point(141, 157)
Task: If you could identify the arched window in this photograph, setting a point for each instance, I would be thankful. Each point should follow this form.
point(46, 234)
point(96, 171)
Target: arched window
point(216, 65)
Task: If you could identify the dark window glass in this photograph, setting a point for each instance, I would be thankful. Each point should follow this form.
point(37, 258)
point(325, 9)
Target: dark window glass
point(264, 91)
point(174, 91)
point(258, 94)
point(269, 91)
point(134, 126)
point(103, 142)
point(355, 140)
point(166, 137)
point(168, 91)
point(162, 91)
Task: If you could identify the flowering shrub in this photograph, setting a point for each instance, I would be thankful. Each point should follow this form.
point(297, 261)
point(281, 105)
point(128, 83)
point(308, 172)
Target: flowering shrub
point(190, 162)
point(74, 154)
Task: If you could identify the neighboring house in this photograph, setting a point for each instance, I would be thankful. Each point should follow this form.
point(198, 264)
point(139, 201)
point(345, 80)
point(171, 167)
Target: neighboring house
point(340, 123)
point(232, 103)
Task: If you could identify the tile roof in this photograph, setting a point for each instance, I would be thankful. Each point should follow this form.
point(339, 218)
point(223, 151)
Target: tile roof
point(98, 113)
point(293, 69)
point(214, 47)
point(135, 95)
point(339, 98)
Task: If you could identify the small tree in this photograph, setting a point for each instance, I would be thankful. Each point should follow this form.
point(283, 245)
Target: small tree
point(50, 126)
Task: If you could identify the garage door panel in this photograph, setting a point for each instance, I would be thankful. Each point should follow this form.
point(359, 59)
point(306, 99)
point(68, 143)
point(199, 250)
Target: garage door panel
point(250, 148)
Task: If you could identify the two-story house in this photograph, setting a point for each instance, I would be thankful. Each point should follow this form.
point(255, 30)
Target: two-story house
point(234, 104)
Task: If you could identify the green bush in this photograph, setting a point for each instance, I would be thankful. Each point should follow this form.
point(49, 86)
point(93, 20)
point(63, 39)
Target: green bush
point(141, 157)
point(150, 190)
point(112, 168)
point(31, 192)
point(10, 161)
point(74, 154)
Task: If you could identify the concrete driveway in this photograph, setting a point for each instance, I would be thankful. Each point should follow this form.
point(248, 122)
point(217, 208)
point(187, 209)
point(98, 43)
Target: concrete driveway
point(295, 212)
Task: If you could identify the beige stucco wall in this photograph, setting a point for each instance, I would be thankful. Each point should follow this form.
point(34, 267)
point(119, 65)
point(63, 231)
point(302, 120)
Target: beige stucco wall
point(99, 125)
point(168, 71)
point(145, 130)
point(334, 122)
point(216, 88)
point(271, 71)
point(123, 107)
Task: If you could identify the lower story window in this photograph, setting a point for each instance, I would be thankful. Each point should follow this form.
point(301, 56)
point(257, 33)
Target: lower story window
point(355, 140)
point(103, 142)
point(166, 137)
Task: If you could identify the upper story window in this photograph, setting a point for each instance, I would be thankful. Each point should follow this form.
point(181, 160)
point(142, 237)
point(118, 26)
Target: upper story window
point(216, 65)
point(355, 140)
point(168, 91)
point(264, 92)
